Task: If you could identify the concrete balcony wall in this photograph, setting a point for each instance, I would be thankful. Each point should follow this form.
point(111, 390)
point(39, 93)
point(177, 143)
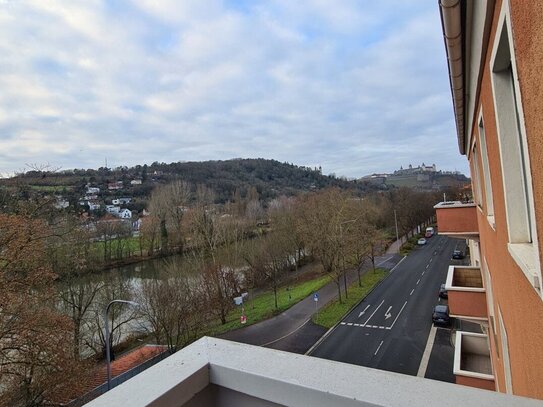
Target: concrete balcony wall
point(472, 364)
point(457, 219)
point(215, 372)
point(467, 295)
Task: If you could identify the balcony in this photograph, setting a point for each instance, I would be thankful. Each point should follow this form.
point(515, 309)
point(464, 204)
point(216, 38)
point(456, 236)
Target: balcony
point(215, 372)
point(457, 219)
point(467, 294)
point(472, 365)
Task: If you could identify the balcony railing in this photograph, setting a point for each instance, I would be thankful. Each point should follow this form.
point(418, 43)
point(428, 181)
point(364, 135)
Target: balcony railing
point(472, 365)
point(457, 219)
point(466, 292)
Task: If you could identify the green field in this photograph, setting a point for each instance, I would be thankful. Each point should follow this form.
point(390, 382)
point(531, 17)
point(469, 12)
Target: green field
point(334, 312)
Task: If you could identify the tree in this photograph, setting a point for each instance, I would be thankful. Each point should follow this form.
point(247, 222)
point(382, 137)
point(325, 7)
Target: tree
point(36, 360)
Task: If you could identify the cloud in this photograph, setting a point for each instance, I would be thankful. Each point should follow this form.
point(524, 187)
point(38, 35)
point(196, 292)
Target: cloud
point(356, 87)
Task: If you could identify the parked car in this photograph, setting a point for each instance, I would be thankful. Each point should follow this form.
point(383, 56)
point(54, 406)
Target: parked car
point(458, 254)
point(440, 316)
point(443, 292)
point(421, 241)
point(429, 232)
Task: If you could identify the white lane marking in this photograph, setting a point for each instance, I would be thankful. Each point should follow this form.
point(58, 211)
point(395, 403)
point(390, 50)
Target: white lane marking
point(412, 291)
point(381, 344)
point(397, 264)
point(373, 313)
point(423, 272)
point(384, 261)
point(284, 336)
point(350, 324)
point(397, 316)
point(418, 281)
point(356, 324)
point(427, 351)
point(388, 314)
point(374, 326)
point(430, 261)
point(427, 265)
point(365, 309)
point(343, 323)
point(381, 327)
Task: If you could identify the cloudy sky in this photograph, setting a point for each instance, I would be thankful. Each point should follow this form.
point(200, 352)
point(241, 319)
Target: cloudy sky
point(354, 86)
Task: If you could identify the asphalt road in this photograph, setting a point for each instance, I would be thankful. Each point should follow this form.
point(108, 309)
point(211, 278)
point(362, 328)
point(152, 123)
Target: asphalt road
point(389, 330)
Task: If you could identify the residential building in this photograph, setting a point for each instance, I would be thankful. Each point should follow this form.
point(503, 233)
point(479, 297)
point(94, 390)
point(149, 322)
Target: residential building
point(113, 209)
point(135, 182)
point(93, 205)
point(495, 56)
point(61, 203)
point(125, 214)
point(112, 186)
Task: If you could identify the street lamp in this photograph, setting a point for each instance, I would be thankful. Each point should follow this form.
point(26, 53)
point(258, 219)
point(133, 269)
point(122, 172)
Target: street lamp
point(396, 223)
point(108, 357)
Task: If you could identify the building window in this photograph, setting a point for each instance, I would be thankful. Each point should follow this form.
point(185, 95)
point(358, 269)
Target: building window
point(489, 201)
point(518, 195)
point(477, 193)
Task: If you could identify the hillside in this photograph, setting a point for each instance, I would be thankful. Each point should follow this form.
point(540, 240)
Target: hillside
point(271, 178)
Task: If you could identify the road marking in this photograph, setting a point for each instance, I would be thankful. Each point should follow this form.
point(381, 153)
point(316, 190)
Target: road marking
point(418, 281)
point(427, 265)
point(373, 313)
point(350, 324)
point(381, 327)
point(381, 344)
point(423, 272)
point(430, 261)
point(284, 336)
point(412, 291)
point(397, 264)
point(397, 316)
point(365, 309)
point(384, 261)
point(427, 351)
point(342, 323)
point(374, 326)
point(388, 314)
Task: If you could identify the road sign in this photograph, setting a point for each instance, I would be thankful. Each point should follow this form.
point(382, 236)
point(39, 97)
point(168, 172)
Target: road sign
point(316, 297)
point(243, 319)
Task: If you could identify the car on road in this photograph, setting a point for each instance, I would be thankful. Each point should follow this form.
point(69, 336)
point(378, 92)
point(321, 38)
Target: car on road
point(440, 316)
point(443, 292)
point(429, 232)
point(421, 241)
point(458, 254)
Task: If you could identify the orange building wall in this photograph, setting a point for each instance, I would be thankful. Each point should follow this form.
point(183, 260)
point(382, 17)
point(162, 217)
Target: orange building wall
point(474, 382)
point(467, 303)
point(521, 306)
point(457, 219)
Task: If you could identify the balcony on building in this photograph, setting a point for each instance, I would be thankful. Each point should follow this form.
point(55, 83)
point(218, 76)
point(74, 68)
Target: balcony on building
point(467, 294)
point(457, 219)
point(472, 365)
point(215, 372)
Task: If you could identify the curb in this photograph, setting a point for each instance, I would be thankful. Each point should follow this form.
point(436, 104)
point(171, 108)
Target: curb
point(327, 333)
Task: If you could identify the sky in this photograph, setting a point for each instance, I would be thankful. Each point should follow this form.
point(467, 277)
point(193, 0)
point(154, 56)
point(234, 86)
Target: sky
point(356, 87)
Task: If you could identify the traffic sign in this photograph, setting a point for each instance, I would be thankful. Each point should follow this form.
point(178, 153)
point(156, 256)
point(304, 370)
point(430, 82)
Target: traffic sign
point(316, 297)
point(243, 319)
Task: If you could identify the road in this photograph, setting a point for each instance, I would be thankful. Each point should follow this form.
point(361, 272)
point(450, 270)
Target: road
point(389, 330)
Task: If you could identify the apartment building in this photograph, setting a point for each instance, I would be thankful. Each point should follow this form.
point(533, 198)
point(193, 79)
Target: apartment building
point(495, 57)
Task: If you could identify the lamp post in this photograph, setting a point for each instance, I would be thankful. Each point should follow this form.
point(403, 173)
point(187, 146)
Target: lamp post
point(396, 224)
point(106, 323)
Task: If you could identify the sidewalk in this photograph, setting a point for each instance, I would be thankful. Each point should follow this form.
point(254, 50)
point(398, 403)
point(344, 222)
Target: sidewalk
point(283, 326)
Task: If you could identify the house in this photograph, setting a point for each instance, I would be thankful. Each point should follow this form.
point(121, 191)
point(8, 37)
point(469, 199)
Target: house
point(93, 205)
point(92, 190)
point(135, 182)
point(112, 186)
point(115, 201)
point(61, 203)
point(124, 201)
point(494, 51)
point(125, 213)
point(113, 209)
point(136, 225)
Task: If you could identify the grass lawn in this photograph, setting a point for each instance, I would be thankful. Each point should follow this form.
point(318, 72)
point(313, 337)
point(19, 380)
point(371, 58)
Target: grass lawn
point(333, 312)
point(263, 306)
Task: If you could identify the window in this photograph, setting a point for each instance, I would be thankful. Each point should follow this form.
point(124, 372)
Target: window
point(489, 201)
point(477, 194)
point(514, 156)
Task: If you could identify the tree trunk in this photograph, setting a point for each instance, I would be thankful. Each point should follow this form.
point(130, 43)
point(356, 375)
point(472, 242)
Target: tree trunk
point(339, 290)
point(345, 282)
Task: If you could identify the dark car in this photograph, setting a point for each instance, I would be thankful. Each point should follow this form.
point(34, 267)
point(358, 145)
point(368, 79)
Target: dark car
point(458, 254)
point(440, 316)
point(443, 292)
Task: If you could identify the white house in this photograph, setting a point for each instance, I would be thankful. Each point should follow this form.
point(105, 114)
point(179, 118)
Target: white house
point(135, 182)
point(125, 214)
point(92, 190)
point(114, 210)
point(116, 201)
point(125, 200)
point(94, 206)
point(61, 203)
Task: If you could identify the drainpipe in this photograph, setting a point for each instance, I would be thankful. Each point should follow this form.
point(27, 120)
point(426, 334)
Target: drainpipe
point(451, 20)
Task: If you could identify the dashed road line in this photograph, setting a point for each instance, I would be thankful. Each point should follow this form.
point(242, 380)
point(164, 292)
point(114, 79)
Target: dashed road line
point(427, 265)
point(379, 347)
point(418, 281)
point(423, 273)
point(412, 291)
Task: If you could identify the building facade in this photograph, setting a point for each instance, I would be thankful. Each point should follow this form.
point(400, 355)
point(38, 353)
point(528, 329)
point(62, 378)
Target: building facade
point(495, 56)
